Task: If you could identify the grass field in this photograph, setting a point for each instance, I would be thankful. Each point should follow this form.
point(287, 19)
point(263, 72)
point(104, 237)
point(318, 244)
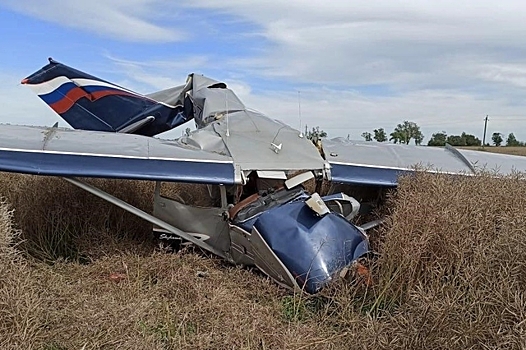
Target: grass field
point(77, 273)
point(517, 151)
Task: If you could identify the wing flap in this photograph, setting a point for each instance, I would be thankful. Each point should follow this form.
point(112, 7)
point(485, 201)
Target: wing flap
point(62, 152)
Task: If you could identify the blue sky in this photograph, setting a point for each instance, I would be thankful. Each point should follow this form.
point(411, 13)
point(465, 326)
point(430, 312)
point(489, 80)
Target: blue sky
point(358, 65)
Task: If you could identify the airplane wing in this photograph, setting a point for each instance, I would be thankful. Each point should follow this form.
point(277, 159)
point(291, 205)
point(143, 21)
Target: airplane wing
point(64, 152)
point(231, 140)
point(223, 152)
point(380, 164)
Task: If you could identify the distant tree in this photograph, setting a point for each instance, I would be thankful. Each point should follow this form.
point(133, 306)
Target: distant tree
point(379, 135)
point(497, 139)
point(406, 131)
point(511, 141)
point(399, 134)
point(471, 140)
point(396, 137)
point(438, 139)
point(315, 134)
point(456, 140)
point(367, 136)
point(419, 137)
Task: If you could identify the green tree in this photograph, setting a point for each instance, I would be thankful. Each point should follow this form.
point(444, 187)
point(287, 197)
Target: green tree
point(419, 137)
point(497, 139)
point(379, 135)
point(396, 137)
point(314, 134)
point(511, 141)
point(438, 139)
point(367, 136)
point(406, 131)
point(471, 140)
point(456, 140)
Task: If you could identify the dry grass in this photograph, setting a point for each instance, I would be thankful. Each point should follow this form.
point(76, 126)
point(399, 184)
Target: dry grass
point(452, 270)
point(451, 275)
point(516, 151)
point(59, 220)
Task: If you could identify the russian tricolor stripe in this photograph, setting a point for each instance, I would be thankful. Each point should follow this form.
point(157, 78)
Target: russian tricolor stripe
point(62, 93)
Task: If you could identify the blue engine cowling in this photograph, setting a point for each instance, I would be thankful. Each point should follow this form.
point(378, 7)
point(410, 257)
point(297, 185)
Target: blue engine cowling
point(313, 248)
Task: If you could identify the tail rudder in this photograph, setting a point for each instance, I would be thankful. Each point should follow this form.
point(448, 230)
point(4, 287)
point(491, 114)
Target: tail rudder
point(90, 103)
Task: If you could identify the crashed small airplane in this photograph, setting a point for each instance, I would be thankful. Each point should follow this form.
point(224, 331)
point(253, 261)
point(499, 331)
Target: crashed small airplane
point(254, 167)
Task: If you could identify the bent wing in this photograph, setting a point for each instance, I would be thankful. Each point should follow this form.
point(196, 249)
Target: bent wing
point(63, 152)
point(380, 164)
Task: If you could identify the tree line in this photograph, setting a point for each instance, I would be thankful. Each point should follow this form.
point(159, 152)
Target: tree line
point(441, 138)
point(405, 132)
point(409, 131)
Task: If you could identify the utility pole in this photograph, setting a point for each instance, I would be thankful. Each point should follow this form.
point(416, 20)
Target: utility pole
point(299, 112)
point(484, 137)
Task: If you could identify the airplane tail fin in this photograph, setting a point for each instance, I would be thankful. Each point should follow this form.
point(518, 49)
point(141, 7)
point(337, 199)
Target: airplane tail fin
point(90, 103)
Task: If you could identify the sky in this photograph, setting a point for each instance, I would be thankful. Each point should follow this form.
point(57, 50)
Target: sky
point(345, 66)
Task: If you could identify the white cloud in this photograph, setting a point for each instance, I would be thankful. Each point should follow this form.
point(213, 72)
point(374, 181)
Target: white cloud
point(342, 112)
point(443, 64)
point(158, 74)
point(377, 42)
point(359, 65)
point(339, 112)
point(130, 20)
point(510, 74)
point(21, 106)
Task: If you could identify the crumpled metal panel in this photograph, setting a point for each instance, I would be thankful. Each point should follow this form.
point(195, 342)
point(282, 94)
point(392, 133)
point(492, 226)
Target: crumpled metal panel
point(312, 248)
point(205, 139)
point(250, 138)
point(227, 127)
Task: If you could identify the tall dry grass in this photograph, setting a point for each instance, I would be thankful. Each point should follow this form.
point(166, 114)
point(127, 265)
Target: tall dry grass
point(452, 268)
point(106, 287)
point(451, 274)
point(59, 220)
point(19, 289)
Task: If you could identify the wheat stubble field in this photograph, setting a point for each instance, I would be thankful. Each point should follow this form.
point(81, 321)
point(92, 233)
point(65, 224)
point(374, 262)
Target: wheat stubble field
point(78, 273)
